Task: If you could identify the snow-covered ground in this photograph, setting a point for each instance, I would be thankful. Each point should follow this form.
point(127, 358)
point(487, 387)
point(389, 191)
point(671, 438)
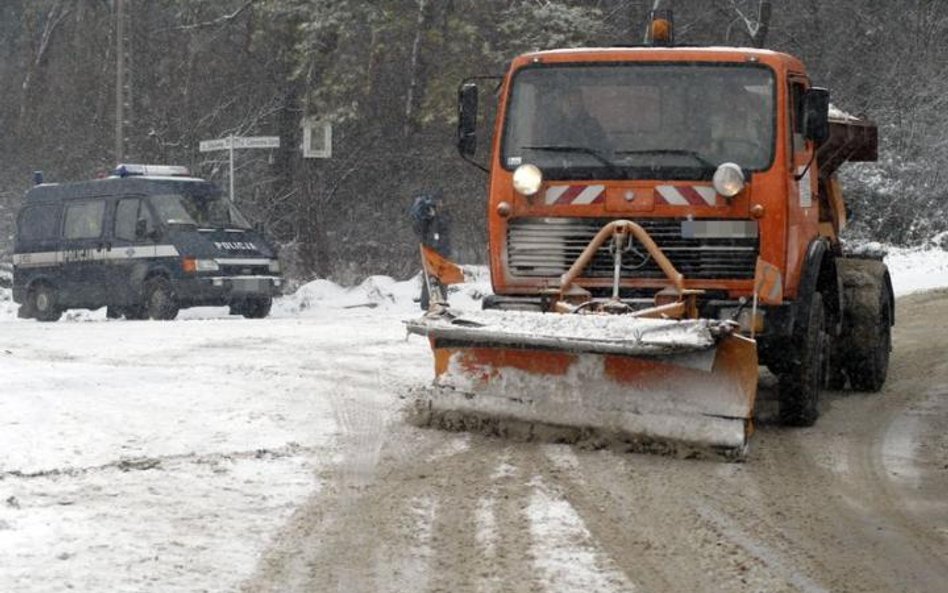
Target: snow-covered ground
point(165, 456)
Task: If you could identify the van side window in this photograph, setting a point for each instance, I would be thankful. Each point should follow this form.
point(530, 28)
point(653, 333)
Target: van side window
point(84, 220)
point(127, 214)
point(39, 222)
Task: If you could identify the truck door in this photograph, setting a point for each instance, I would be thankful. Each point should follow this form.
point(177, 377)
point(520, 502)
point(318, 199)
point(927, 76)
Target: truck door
point(804, 174)
point(803, 204)
point(133, 246)
point(85, 252)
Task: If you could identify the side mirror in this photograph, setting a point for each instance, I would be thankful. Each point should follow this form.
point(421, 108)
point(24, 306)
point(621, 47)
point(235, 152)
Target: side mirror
point(467, 119)
point(816, 115)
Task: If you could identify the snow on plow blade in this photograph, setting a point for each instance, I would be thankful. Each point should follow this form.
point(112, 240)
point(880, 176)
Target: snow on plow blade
point(692, 382)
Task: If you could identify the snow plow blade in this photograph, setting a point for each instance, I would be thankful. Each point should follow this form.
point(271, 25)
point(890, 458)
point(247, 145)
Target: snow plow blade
point(643, 381)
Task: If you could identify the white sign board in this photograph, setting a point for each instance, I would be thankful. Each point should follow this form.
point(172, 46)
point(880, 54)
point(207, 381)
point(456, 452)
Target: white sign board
point(257, 142)
point(317, 138)
point(234, 142)
point(212, 145)
point(240, 142)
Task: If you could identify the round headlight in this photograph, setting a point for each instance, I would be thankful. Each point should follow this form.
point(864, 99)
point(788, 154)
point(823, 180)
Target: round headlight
point(527, 179)
point(729, 180)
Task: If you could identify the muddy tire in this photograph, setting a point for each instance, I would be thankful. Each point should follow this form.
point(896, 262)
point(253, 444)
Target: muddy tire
point(161, 303)
point(43, 303)
point(866, 343)
point(801, 383)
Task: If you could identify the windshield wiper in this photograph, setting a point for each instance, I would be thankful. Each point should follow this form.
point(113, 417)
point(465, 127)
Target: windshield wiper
point(579, 149)
point(674, 151)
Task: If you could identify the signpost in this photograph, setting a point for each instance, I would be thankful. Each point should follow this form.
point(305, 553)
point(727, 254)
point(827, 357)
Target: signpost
point(232, 143)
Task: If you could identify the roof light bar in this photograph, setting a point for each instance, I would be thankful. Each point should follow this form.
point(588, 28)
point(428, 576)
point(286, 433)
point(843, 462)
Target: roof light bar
point(135, 170)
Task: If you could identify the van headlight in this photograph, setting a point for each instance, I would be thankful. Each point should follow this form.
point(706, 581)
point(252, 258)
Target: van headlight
point(729, 180)
point(527, 179)
point(193, 265)
point(206, 265)
point(274, 266)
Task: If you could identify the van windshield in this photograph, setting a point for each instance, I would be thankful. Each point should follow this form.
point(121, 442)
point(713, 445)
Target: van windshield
point(207, 211)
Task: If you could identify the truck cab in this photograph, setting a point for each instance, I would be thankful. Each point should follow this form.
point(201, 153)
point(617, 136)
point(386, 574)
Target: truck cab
point(145, 242)
point(725, 156)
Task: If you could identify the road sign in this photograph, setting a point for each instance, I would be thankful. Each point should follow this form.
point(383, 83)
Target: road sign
point(212, 145)
point(257, 142)
point(240, 142)
point(232, 143)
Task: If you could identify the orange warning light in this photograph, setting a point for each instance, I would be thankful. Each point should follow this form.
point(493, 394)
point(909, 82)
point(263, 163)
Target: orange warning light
point(662, 29)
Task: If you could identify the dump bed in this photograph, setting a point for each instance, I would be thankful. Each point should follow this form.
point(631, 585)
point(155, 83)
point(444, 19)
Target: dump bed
point(851, 139)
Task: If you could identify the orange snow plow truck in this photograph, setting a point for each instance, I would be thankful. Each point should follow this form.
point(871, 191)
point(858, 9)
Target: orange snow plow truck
point(663, 220)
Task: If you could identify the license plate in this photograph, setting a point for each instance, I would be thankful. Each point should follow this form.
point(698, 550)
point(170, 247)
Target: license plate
point(250, 285)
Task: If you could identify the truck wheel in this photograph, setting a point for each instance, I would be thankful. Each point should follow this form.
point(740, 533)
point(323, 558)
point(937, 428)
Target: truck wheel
point(253, 308)
point(160, 300)
point(44, 303)
point(801, 384)
point(836, 366)
point(868, 325)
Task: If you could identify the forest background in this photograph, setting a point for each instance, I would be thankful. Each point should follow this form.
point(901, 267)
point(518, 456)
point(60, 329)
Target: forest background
point(385, 73)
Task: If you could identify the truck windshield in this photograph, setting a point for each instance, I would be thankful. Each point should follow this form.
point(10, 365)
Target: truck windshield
point(640, 121)
point(207, 210)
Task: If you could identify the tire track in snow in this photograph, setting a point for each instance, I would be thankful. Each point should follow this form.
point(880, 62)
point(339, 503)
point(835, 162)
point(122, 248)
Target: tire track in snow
point(564, 551)
point(153, 462)
point(769, 557)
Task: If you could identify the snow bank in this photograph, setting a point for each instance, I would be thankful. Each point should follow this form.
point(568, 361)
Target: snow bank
point(917, 270)
point(912, 269)
point(312, 299)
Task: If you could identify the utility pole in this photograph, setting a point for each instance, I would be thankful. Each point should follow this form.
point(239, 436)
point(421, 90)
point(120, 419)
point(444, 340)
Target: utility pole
point(119, 80)
point(123, 85)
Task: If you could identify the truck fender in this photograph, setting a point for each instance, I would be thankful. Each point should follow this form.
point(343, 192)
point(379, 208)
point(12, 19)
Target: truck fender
point(820, 274)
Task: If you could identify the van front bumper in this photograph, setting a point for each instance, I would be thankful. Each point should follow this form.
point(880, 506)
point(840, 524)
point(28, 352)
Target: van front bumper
point(223, 290)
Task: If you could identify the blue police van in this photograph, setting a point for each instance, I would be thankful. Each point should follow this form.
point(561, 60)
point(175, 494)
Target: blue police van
point(144, 242)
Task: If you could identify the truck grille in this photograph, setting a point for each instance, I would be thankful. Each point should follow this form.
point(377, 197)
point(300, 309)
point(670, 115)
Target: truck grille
point(245, 270)
point(543, 247)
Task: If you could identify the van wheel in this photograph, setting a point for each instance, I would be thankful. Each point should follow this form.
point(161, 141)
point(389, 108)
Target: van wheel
point(135, 312)
point(160, 300)
point(44, 303)
point(252, 308)
point(801, 383)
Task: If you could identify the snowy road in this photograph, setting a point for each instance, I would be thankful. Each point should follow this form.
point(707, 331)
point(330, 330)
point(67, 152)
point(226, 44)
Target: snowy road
point(218, 454)
point(146, 456)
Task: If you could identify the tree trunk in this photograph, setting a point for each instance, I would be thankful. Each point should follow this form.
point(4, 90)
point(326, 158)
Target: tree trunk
point(414, 69)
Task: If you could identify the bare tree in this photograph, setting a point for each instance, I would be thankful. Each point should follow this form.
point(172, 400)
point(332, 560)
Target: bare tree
point(40, 38)
point(757, 26)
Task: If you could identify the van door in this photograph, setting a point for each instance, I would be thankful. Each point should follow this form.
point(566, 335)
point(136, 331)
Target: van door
point(36, 248)
point(133, 248)
point(85, 252)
